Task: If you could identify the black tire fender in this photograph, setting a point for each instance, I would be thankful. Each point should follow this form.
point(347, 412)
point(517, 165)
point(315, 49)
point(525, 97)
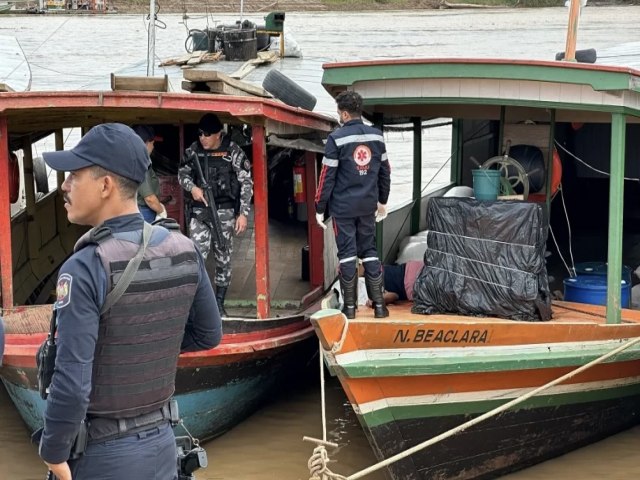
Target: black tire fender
point(40, 175)
point(288, 91)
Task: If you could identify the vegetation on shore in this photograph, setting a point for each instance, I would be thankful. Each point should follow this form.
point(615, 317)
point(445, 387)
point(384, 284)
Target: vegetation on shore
point(217, 6)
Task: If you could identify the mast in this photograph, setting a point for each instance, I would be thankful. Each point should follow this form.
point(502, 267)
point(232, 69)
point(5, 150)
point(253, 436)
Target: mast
point(572, 30)
point(151, 39)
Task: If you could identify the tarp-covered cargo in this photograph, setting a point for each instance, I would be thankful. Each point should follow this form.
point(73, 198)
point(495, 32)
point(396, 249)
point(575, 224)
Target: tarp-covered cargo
point(485, 259)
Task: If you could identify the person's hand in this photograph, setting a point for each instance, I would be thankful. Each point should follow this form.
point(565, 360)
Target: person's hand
point(61, 471)
point(241, 224)
point(162, 214)
point(198, 195)
point(320, 220)
point(381, 212)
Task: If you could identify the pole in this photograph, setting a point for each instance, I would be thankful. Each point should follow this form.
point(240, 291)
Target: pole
point(572, 31)
point(241, 9)
point(151, 43)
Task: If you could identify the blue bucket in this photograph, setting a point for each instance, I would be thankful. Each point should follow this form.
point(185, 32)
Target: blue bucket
point(486, 183)
point(593, 289)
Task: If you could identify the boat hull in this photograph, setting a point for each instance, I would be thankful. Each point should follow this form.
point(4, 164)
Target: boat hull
point(411, 378)
point(215, 389)
point(511, 441)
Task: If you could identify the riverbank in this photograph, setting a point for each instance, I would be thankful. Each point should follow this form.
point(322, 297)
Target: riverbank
point(258, 6)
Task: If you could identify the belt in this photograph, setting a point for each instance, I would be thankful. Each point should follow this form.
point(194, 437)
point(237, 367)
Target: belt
point(101, 428)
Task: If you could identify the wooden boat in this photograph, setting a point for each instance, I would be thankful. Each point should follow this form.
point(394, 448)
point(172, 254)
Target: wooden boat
point(269, 339)
point(412, 378)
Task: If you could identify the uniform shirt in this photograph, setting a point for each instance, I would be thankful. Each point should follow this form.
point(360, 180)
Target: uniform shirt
point(82, 288)
point(150, 186)
point(187, 174)
point(355, 172)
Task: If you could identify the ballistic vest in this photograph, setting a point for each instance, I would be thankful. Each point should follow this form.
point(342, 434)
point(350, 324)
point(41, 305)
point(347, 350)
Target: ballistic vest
point(139, 337)
point(217, 167)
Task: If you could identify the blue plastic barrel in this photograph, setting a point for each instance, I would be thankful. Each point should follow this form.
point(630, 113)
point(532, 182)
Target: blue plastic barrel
point(593, 289)
point(600, 269)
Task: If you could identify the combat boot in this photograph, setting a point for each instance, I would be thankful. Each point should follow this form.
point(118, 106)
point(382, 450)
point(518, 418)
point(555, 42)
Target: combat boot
point(375, 291)
point(350, 296)
point(221, 292)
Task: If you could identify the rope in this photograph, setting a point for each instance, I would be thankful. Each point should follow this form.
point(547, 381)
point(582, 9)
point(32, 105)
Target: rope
point(490, 413)
point(319, 459)
point(338, 345)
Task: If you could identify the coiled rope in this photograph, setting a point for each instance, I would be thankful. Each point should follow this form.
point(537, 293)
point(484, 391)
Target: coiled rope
point(319, 459)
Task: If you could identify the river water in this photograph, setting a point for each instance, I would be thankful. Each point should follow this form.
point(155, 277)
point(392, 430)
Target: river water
point(68, 52)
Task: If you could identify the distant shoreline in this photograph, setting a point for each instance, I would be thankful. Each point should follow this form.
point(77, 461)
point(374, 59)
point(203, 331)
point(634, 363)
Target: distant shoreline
point(262, 7)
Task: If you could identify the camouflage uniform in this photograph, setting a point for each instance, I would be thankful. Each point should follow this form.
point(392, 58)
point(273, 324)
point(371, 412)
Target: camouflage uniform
point(227, 154)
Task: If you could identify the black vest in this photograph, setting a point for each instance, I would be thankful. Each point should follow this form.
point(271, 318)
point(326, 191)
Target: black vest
point(217, 166)
point(139, 337)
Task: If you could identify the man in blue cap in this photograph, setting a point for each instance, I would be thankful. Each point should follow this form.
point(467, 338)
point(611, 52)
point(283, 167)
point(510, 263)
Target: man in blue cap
point(117, 352)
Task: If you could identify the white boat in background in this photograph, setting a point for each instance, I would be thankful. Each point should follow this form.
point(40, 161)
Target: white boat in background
point(15, 72)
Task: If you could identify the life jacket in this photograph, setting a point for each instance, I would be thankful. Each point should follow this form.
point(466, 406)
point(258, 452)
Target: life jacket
point(139, 337)
point(217, 167)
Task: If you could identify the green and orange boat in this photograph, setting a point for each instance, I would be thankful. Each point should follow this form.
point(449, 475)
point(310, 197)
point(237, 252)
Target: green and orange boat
point(440, 380)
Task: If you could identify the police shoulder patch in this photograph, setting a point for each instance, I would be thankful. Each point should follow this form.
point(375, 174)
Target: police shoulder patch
point(63, 290)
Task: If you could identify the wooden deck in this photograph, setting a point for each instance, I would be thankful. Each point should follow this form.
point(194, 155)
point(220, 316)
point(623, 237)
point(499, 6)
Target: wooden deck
point(285, 251)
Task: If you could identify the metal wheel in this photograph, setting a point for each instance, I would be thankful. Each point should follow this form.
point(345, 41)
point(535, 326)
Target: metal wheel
point(513, 175)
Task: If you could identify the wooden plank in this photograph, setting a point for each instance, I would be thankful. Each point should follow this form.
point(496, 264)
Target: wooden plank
point(226, 89)
point(250, 65)
point(145, 84)
point(194, 58)
point(6, 88)
point(214, 77)
point(194, 86)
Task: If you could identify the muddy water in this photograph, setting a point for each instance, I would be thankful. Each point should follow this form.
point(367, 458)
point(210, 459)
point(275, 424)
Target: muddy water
point(68, 52)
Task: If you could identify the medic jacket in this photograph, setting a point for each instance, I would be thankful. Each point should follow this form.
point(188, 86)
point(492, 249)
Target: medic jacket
point(123, 363)
point(227, 170)
point(355, 172)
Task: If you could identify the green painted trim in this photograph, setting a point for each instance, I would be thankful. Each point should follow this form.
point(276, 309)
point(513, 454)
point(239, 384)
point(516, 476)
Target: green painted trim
point(390, 414)
point(456, 149)
point(616, 205)
point(417, 174)
point(399, 101)
point(486, 363)
point(598, 79)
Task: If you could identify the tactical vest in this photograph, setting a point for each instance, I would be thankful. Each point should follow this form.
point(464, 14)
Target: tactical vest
point(139, 337)
point(217, 166)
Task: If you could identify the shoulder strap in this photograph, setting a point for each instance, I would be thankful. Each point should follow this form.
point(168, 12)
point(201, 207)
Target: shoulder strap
point(132, 267)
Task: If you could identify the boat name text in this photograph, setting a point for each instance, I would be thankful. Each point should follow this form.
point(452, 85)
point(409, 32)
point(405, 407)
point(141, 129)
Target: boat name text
point(441, 336)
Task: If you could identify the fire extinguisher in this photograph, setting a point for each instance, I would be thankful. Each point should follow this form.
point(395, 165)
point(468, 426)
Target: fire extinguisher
point(299, 195)
point(14, 178)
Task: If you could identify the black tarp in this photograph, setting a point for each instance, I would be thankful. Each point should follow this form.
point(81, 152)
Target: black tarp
point(484, 259)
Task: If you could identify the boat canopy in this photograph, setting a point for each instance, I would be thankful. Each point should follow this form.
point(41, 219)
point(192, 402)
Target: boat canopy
point(397, 91)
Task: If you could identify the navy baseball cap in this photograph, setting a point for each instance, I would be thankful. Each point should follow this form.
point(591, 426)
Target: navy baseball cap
point(112, 146)
point(146, 133)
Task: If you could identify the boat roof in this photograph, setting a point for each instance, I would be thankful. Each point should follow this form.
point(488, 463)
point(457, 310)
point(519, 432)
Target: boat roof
point(29, 112)
point(400, 89)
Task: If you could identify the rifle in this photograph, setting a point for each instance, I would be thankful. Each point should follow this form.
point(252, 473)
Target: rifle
point(216, 226)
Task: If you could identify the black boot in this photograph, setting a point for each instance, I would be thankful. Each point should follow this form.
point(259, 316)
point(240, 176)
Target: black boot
point(221, 292)
point(375, 291)
point(350, 296)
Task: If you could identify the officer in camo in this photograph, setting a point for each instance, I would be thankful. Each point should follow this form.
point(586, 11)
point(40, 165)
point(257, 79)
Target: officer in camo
point(228, 171)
